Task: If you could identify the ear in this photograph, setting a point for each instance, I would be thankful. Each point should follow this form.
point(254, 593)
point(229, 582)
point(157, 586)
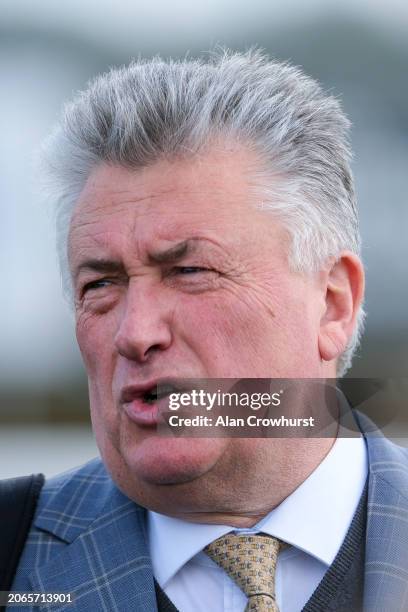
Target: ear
point(344, 294)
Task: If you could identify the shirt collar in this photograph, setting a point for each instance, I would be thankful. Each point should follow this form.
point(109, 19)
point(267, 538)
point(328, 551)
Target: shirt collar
point(314, 518)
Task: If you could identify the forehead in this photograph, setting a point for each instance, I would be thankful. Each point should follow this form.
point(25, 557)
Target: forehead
point(209, 195)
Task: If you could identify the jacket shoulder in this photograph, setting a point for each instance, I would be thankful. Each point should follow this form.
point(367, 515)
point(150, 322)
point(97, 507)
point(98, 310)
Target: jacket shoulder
point(81, 513)
point(91, 475)
point(70, 501)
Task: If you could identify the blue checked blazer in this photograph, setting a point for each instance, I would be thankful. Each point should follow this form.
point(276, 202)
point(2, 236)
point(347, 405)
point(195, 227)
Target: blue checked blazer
point(87, 538)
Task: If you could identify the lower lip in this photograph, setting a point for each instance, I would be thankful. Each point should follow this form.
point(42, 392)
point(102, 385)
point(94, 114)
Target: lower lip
point(143, 414)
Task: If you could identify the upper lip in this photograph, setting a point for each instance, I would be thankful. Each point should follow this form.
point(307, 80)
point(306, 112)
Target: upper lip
point(136, 391)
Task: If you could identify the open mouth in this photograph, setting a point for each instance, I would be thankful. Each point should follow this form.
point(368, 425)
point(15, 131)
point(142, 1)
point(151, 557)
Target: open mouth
point(142, 402)
point(157, 392)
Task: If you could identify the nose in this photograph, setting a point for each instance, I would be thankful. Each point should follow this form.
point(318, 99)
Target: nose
point(144, 327)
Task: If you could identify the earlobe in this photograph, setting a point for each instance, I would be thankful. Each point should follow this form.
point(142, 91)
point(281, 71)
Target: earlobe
point(332, 342)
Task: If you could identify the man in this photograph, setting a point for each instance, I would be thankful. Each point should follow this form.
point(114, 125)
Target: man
point(208, 229)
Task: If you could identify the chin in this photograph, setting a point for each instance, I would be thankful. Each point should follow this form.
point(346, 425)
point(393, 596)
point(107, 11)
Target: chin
point(170, 461)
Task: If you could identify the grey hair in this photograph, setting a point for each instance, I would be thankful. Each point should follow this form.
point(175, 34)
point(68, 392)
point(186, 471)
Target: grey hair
point(135, 115)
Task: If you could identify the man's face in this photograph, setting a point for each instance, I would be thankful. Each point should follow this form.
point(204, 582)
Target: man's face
point(177, 274)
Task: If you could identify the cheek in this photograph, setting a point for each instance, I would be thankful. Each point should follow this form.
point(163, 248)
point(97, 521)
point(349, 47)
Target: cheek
point(256, 334)
point(223, 329)
point(233, 316)
point(95, 335)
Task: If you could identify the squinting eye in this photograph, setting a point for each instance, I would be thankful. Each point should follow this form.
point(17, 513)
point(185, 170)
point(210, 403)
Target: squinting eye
point(98, 284)
point(189, 269)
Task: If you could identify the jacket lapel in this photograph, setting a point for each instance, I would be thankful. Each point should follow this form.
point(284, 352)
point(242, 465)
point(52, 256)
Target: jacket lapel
point(105, 563)
point(386, 558)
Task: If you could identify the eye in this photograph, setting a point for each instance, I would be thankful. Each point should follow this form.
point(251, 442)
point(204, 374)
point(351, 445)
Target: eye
point(97, 284)
point(189, 270)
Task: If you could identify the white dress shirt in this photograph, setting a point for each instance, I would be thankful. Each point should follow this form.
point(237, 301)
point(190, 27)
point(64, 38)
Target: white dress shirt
point(314, 519)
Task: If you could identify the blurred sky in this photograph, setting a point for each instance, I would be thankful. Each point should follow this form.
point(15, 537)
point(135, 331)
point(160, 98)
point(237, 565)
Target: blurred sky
point(118, 23)
point(49, 49)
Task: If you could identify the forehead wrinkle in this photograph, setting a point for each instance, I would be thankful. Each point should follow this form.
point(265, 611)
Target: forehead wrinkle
point(158, 193)
point(107, 203)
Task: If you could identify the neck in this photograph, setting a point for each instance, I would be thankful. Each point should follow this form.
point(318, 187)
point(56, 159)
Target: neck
point(243, 503)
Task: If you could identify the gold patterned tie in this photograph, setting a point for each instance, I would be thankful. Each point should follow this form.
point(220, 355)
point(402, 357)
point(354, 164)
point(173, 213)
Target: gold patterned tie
point(250, 560)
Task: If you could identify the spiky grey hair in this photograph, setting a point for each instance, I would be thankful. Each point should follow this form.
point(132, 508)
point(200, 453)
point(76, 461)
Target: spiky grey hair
point(151, 109)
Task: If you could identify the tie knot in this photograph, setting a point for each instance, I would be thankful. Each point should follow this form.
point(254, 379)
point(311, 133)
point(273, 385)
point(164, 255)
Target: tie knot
point(250, 560)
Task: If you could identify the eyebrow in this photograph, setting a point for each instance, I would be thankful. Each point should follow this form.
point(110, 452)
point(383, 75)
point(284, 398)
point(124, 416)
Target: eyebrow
point(171, 255)
point(100, 265)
